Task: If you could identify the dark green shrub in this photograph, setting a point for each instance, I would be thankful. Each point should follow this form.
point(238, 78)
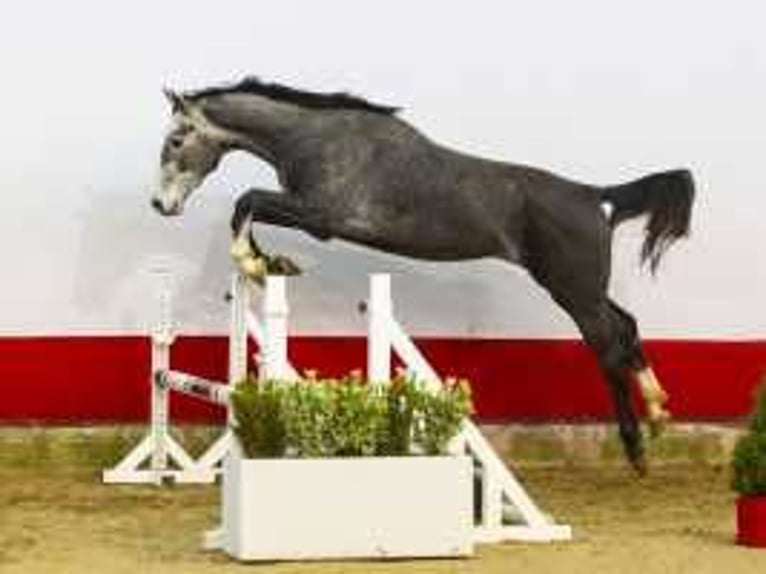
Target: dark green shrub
point(259, 418)
point(749, 457)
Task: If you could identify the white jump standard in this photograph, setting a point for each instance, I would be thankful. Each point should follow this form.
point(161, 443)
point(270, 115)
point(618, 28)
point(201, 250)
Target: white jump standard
point(159, 456)
point(499, 487)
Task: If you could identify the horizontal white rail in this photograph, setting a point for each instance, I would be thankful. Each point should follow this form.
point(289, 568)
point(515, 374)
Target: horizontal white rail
point(196, 387)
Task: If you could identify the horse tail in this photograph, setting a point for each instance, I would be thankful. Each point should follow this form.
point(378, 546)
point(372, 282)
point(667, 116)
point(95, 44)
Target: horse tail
point(666, 198)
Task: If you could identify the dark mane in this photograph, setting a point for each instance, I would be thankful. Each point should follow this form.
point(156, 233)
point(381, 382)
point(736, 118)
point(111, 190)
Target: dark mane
point(304, 98)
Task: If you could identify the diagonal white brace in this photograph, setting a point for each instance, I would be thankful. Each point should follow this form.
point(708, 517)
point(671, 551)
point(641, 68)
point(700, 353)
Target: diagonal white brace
point(498, 483)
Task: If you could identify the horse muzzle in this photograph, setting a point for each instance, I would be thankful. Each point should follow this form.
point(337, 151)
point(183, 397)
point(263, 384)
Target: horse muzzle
point(166, 210)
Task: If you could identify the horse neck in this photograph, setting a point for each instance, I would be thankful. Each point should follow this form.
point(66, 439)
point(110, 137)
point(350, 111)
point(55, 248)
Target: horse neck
point(256, 123)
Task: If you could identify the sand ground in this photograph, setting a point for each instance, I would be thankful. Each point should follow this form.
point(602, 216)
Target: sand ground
point(680, 519)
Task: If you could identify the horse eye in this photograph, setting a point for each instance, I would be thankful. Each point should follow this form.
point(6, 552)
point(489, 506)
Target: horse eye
point(176, 142)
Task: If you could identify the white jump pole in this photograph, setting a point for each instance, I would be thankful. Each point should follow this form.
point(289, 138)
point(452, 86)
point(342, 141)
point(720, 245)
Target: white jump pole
point(197, 387)
point(238, 312)
point(378, 339)
point(274, 363)
point(162, 338)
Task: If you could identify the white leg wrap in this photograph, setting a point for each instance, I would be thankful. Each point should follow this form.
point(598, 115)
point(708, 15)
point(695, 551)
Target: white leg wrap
point(651, 389)
point(250, 264)
point(655, 398)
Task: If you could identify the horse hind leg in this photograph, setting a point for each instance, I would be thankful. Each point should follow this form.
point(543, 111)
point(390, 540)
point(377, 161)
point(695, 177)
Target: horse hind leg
point(654, 396)
point(655, 399)
point(601, 334)
point(581, 293)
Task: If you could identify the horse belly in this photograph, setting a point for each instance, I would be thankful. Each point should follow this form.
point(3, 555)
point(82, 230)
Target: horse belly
point(429, 238)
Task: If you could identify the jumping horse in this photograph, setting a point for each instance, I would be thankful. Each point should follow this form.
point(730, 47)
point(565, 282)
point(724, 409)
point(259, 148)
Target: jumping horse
point(351, 169)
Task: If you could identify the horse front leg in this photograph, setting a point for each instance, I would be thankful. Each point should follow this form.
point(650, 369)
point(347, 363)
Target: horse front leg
point(247, 254)
point(275, 208)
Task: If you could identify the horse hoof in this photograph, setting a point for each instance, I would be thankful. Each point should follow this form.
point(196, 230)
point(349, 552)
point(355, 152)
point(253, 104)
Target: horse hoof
point(658, 423)
point(254, 268)
point(281, 265)
point(640, 466)
point(240, 249)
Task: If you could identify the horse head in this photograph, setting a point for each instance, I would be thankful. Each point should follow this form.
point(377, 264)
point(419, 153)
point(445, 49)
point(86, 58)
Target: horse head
point(192, 149)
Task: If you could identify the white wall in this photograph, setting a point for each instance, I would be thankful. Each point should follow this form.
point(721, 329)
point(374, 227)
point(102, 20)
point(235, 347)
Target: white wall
point(598, 90)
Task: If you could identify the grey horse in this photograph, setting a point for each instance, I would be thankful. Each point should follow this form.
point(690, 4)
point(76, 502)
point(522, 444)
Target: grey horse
point(354, 170)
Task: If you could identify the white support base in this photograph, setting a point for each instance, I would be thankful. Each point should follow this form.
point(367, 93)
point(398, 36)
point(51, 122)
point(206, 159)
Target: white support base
point(213, 539)
point(136, 468)
point(522, 533)
point(214, 455)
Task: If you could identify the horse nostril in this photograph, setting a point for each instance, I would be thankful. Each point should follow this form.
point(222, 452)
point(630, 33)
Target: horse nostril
point(157, 204)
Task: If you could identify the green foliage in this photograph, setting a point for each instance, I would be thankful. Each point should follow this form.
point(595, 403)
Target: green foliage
point(307, 413)
point(346, 417)
point(355, 416)
point(395, 433)
point(259, 420)
point(757, 423)
point(441, 415)
point(749, 457)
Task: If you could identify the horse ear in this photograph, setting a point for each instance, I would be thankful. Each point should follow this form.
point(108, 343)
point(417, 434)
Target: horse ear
point(178, 103)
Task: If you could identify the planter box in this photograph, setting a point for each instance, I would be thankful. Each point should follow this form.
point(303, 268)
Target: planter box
point(751, 521)
point(296, 509)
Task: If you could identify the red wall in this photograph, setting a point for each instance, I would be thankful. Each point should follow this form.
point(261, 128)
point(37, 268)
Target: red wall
point(105, 379)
